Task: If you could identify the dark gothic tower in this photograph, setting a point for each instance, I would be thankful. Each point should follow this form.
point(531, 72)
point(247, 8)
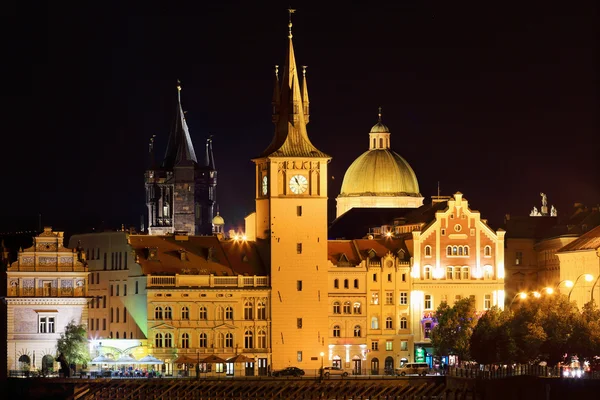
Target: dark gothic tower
point(206, 185)
point(180, 193)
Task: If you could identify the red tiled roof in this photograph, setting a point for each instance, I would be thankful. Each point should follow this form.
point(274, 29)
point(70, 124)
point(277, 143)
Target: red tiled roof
point(203, 254)
point(588, 241)
point(335, 249)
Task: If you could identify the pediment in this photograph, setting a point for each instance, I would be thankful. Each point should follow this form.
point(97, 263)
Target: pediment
point(163, 326)
point(224, 326)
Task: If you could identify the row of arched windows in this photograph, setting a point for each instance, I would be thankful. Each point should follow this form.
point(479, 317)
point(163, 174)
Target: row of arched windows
point(458, 251)
point(336, 284)
point(221, 340)
point(116, 312)
point(457, 273)
point(389, 323)
point(221, 313)
point(347, 308)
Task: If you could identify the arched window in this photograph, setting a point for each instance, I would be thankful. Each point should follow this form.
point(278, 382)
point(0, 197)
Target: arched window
point(185, 312)
point(389, 324)
point(346, 284)
point(168, 313)
point(466, 250)
point(374, 323)
point(347, 307)
point(457, 273)
point(220, 340)
point(336, 307)
point(248, 308)
point(203, 313)
point(356, 284)
point(374, 143)
point(261, 342)
point(229, 313)
point(427, 272)
point(403, 323)
point(203, 342)
point(380, 143)
point(220, 313)
point(185, 341)
point(261, 310)
point(427, 251)
point(454, 250)
point(337, 331)
point(375, 366)
point(168, 340)
point(336, 283)
point(449, 250)
point(357, 331)
point(460, 250)
point(229, 340)
point(465, 272)
point(248, 340)
point(158, 340)
point(357, 308)
point(487, 251)
point(449, 272)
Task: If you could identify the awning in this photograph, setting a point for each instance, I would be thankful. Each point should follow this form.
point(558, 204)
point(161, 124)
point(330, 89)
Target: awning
point(149, 359)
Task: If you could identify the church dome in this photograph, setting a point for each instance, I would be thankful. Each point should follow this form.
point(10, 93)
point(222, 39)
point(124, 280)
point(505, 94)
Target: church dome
point(218, 220)
point(379, 128)
point(380, 172)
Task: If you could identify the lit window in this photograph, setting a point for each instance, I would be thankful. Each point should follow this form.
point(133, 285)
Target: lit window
point(389, 345)
point(357, 308)
point(404, 345)
point(346, 307)
point(487, 302)
point(375, 298)
point(357, 331)
point(374, 323)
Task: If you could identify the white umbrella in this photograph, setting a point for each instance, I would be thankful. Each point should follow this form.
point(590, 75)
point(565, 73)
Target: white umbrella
point(102, 360)
point(126, 360)
point(149, 359)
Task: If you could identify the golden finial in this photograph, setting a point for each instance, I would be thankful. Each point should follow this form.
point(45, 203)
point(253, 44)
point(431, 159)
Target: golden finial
point(178, 85)
point(276, 71)
point(290, 12)
point(379, 114)
point(304, 70)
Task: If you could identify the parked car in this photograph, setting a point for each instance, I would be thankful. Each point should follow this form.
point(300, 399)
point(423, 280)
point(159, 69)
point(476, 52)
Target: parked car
point(289, 371)
point(413, 368)
point(329, 371)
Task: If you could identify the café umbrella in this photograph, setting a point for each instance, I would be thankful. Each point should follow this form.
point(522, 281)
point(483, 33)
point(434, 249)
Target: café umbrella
point(149, 359)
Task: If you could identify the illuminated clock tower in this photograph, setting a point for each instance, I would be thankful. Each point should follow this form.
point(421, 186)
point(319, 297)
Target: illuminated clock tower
point(291, 216)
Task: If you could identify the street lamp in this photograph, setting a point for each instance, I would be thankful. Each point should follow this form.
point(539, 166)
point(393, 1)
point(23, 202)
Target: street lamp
point(322, 355)
point(587, 277)
point(568, 283)
point(521, 295)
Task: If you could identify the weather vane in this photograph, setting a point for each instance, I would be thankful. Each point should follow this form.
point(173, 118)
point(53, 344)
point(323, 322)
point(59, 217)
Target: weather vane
point(290, 12)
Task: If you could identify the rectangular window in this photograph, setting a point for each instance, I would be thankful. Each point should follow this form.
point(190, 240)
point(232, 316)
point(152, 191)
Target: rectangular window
point(404, 298)
point(403, 277)
point(389, 345)
point(97, 278)
point(487, 302)
point(299, 286)
point(104, 324)
point(428, 302)
point(299, 323)
point(117, 289)
point(389, 298)
point(374, 345)
point(374, 277)
point(404, 345)
point(46, 325)
point(389, 277)
point(299, 211)
point(111, 290)
point(125, 289)
point(299, 248)
point(518, 258)
point(443, 232)
point(97, 323)
point(374, 297)
point(299, 356)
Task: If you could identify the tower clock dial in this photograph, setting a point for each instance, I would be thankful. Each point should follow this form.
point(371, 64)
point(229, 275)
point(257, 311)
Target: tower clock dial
point(265, 185)
point(298, 184)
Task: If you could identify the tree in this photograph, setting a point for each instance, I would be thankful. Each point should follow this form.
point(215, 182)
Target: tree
point(452, 333)
point(491, 341)
point(73, 344)
point(585, 339)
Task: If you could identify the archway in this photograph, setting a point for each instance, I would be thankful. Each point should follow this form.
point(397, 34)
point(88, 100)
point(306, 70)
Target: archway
point(375, 366)
point(389, 364)
point(356, 365)
point(47, 365)
point(24, 362)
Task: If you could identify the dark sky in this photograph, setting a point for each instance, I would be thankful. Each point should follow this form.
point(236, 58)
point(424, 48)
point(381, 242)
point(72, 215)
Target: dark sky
point(497, 103)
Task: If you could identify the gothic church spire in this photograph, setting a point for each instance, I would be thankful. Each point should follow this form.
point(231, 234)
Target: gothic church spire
point(179, 148)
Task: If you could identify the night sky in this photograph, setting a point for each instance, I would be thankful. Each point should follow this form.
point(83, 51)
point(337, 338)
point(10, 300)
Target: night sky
point(497, 103)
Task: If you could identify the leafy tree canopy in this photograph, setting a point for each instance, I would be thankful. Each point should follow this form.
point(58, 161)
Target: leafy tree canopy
point(452, 333)
point(73, 344)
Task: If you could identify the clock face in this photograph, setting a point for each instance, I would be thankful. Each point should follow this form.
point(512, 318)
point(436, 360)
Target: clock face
point(298, 184)
point(265, 185)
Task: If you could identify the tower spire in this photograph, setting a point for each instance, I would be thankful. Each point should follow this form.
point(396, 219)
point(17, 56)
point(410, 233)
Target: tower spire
point(379, 115)
point(179, 148)
point(291, 138)
point(276, 94)
point(305, 101)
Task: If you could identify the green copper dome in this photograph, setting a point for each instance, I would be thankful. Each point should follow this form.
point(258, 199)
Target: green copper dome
point(380, 172)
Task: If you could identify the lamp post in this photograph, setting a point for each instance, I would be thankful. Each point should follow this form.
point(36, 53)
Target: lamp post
point(568, 283)
point(321, 372)
point(522, 295)
point(587, 277)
